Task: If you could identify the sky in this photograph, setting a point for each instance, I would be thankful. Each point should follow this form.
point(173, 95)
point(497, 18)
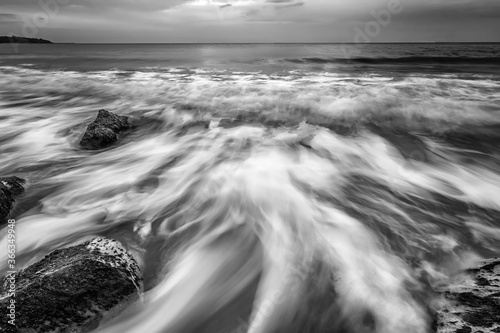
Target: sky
point(252, 21)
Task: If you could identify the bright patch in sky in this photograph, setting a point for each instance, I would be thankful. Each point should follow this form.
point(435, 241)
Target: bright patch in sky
point(252, 20)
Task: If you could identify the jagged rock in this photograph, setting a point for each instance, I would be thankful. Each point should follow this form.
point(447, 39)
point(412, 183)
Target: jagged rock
point(104, 130)
point(72, 289)
point(471, 303)
point(9, 188)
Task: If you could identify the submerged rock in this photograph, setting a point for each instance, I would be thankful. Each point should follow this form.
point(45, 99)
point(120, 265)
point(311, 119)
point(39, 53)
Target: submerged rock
point(9, 188)
point(104, 130)
point(194, 127)
point(229, 123)
point(472, 302)
point(72, 289)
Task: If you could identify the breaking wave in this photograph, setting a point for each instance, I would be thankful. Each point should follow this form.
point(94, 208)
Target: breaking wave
point(314, 202)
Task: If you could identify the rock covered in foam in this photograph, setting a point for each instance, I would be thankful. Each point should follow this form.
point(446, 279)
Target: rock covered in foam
point(72, 289)
point(472, 302)
point(104, 130)
point(9, 188)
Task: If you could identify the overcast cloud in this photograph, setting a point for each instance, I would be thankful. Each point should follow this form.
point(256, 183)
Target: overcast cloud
point(173, 21)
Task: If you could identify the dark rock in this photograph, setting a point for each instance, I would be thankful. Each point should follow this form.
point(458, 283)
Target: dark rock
point(104, 130)
point(251, 119)
point(231, 123)
point(275, 123)
point(73, 289)
point(14, 184)
point(9, 188)
point(194, 127)
point(472, 301)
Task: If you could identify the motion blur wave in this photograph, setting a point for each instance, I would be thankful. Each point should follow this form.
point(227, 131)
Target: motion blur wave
point(313, 202)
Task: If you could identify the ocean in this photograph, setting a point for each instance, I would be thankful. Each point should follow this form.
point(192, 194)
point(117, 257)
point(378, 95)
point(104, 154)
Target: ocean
point(336, 187)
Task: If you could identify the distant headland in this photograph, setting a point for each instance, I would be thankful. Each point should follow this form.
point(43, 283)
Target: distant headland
point(24, 40)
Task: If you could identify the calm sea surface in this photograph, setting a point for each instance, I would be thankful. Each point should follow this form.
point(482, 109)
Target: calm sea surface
point(456, 58)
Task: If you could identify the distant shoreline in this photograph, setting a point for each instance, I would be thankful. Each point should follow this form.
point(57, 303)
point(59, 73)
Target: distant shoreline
point(22, 40)
point(25, 40)
point(283, 43)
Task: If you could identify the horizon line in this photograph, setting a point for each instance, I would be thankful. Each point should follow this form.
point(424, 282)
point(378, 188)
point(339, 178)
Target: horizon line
point(243, 43)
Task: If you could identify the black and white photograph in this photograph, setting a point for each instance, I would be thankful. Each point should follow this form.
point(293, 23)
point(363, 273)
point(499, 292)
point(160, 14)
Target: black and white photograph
point(250, 166)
